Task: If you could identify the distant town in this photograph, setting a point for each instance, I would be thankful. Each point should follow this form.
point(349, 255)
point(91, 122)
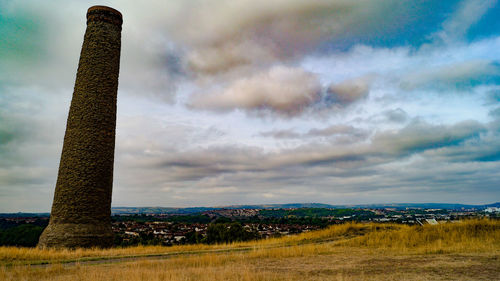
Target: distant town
point(172, 226)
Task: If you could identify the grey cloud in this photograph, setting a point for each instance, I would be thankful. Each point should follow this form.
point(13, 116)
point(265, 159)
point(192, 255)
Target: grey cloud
point(341, 133)
point(31, 132)
point(495, 112)
point(435, 178)
point(419, 136)
point(486, 148)
point(25, 123)
point(281, 134)
point(493, 97)
point(223, 162)
point(456, 75)
point(495, 123)
point(236, 44)
point(188, 167)
point(232, 34)
point(448, 156)
point(350, 90)
point(152, 72)
point(12, 129)
point(337, 130)
point(287, 91)
point(396, 115)
point(48, 39)
point(456, 26)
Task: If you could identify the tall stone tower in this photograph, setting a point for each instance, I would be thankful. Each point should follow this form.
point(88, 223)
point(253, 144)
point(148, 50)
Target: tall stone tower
point(81, 211)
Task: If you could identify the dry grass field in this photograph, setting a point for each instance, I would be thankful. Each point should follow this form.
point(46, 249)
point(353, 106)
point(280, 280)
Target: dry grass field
point(469, 250)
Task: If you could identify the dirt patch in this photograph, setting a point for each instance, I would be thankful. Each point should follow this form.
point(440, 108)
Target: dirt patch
point(361, 265)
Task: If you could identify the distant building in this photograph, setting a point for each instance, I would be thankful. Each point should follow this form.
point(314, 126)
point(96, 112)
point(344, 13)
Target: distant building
point(427, 221)
point(431, 221)
point(492, 210)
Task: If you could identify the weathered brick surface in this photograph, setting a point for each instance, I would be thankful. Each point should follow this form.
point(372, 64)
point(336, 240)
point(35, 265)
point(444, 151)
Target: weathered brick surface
point(81, 209)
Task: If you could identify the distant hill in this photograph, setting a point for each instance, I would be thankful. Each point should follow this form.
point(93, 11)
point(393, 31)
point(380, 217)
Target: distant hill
point(497, 204)
point(25, 215)
point(193, 210)
point(160, 210)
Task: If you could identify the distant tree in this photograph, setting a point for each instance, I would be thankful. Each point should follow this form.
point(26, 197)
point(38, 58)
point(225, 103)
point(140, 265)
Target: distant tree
point(149, 239)
point(193, 237)
point(5, 224)
point(23, 235)
point(221, 220)
point(227, 233)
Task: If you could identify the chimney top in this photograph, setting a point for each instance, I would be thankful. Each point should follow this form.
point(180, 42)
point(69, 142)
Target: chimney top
point(104, 13)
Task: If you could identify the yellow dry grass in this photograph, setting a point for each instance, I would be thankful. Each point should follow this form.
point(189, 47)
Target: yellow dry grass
point(10, 255)
point(14, 255)
point(464, 251)
point(466, 236)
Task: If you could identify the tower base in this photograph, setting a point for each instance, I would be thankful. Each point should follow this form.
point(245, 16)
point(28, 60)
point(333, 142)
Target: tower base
point(70, 235)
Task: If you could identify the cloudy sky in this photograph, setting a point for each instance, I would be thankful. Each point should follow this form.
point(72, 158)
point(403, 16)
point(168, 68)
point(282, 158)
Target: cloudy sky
point(255, 101)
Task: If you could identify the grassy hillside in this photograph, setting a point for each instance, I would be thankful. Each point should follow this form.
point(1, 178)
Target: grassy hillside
point(468, 250)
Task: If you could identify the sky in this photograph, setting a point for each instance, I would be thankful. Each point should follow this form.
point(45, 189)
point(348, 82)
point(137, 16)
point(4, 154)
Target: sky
point(224, 102)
